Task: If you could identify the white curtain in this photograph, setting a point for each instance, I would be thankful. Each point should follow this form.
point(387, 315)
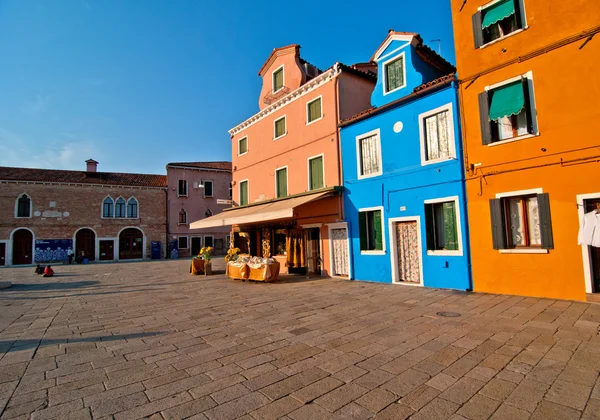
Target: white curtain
point(339, 240)
point(369, 147)
point(438, 141)
point(407, 245)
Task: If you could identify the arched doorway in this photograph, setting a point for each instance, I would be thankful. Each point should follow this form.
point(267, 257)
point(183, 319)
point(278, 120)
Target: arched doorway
point(85, 242)
point(22, 248)
point(131, 244)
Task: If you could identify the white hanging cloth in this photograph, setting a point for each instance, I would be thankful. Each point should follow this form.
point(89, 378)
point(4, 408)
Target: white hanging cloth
point(589, 231)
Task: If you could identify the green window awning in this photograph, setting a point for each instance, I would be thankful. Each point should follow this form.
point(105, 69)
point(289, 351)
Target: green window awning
point(497, 12)
point(507, 100)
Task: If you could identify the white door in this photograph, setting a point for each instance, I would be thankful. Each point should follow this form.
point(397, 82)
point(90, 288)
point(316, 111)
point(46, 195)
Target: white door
point(407, 245)
point(339, 243)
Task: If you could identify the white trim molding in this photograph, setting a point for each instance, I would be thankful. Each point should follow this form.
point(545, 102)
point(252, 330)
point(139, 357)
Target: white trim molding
point(318, 98)
point(17, 206)
point(383, 243)
point(394, 249)
point(376, 132)
point(330, 227)
point(520, 192)
point(238, 146)
point(282, 78)
point(384, 65)
point(459, 252)
point(275, 137)
point(451, 138)
point(322, 155)
point(312, 226)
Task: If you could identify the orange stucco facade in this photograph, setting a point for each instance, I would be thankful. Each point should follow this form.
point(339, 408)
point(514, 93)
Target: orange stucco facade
point(560, 157)
point(343, 91)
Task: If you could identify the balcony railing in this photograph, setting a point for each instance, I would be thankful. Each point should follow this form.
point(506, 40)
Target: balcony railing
point(271, 96)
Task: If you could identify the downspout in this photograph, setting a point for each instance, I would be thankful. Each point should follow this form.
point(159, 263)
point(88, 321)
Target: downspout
point(167, 244)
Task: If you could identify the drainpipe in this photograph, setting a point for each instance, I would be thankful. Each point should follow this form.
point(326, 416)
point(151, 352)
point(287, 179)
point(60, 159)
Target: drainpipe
point(338, 140)
point(167, 244)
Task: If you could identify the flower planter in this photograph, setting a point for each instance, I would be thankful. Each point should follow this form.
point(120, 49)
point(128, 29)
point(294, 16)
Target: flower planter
point(207, 268)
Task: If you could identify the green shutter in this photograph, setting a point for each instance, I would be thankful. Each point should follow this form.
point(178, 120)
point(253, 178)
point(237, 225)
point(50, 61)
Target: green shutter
point(279, 127)
point(378, 231)
point(450, 231)
point(282, 183)
point(362, 226)
point(244, 193)
point(429, 226)
point(243, 146)
point(498, 223)
point(545, 221)
point(316, 173)
point(278, 80)
point(314, 110)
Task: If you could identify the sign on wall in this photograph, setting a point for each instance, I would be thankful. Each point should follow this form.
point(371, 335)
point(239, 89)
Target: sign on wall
point(49, 250)
point(221, 201)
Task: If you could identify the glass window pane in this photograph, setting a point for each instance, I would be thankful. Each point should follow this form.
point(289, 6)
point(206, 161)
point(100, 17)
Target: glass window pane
point(369, 150)
point(314, 110)
point(394, 73)
point(515, 222)
point(438, 230)
point(277, 80)
point(280, 127)
point(533, 219)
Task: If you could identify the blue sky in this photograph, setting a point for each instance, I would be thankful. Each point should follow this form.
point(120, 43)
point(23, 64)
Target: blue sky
point(136, 84)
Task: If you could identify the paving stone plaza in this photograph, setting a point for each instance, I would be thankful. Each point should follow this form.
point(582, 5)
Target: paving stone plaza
point(148, 340)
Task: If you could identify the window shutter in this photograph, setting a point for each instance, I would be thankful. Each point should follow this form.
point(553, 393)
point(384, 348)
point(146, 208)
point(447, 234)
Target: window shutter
point(518, 13)
point(451, 235)
point(316, 173)
point(378, 231)
point(545, 221)
point(429, 226)
point(477, 30)
point(484, 117)
point(498, 229)
point(362, 227)
point(528, 104)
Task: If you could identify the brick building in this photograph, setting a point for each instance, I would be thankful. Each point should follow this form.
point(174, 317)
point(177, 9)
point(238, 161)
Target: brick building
point(107, 216)
point(197, 190)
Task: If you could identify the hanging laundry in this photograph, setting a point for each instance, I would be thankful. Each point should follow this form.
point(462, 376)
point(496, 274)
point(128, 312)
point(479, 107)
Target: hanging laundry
point(589, 231)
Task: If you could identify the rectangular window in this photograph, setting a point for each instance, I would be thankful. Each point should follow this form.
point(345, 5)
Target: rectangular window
point(243, 193)
point(371, 230)
point(208, 188)
point(369, 155)
point(182, 188)
point(437, 135)
point(394, 74)
point(441, 226)
point(277, 79)
point(281, 182)
point(315, 175)
point(242, 146)
point(522, 222)
point(209, 241)
point(507, 111)
point(313, 110)
point(182, 242)
point(497, 20)
point(279, 127)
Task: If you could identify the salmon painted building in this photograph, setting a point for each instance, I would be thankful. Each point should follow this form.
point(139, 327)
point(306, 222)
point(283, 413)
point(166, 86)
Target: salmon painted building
point(287, 182)
point(528, 92)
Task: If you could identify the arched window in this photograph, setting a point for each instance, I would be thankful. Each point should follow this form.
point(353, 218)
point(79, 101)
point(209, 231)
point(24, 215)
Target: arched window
point(107, 207)
point(208, 213)
point(120, 207)
point(182, 217)
point(24, 206)
point(132, 208)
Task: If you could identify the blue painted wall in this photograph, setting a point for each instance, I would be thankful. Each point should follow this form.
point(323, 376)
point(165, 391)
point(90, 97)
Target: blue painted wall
point(405, 183)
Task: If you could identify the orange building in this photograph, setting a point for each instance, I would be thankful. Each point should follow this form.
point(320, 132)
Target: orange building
point(286, 164)
point(529, 85)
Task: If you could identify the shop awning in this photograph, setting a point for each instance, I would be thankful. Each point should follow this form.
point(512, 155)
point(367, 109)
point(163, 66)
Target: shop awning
point(274, 210)
point(507, 100)
point(497, 12)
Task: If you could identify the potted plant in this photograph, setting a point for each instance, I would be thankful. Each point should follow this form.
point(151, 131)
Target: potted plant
point(232, 254)
point(205, 255)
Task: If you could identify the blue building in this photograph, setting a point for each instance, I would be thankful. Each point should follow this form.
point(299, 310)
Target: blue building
point(405, 200)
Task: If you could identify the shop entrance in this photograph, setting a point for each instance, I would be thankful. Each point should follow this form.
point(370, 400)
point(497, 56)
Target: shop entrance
point(196, 245)
point(107, 250)
point(594, 252)
point(22, 247)
point(85, 243)
point(313, 251)
point(131, 244)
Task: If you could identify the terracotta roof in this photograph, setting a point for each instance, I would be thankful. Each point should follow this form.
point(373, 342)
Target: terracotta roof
point(419, 90)
point(351, 69)
point(221, 165)
point(275, 53)
point(81, 177)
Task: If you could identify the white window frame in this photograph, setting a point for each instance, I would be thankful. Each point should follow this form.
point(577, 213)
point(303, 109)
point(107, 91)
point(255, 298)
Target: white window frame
point(322, 155)
point(383, 241)
point(286, 180)
point(186, 188)
point(384, 71)
point(359, 154)
point(186, 217)
point(30, 207)
point(102, 208)
point(283, 117)
point(320, 97)
point(394, 249)
point(187, 242)
point(115, 208)
point(423, 133)
point(532, 105)
point(137, 202)
point(339, 225)
point(238, 146)
point(240, 191)
point(273, 79)
point(523, 20)
point(208, 236)
point(459, 252)
point(213, 188)
point(519, 193)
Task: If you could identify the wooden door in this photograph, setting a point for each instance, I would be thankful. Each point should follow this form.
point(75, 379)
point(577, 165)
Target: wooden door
point(592, 205)
point(196, 245)
point(313, 251)
point(22, 247)
point(131, 244)
point(2, 253)
point(339, 243)
point(407, 257)
point(107, 250)
point(85, 243)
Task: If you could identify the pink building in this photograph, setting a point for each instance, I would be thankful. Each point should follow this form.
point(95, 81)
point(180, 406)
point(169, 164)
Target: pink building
point(196, 191)
point(287, 184)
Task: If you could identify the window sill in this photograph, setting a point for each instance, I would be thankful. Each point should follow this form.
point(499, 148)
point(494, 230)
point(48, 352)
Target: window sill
point(518, 31)
point(438, 161)
point(393, 90)
point(182, 195)
point(314, 121)
point(372, 252)
point(280, 137)
point(360, 177)
point(242, 154)
point(523, 251)
point(523, 137)
point(445, 253)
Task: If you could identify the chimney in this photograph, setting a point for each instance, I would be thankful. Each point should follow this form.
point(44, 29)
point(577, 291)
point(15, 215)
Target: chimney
point(92, 165)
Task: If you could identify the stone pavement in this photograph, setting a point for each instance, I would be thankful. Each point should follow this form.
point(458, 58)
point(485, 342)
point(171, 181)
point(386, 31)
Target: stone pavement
point(137, 340)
